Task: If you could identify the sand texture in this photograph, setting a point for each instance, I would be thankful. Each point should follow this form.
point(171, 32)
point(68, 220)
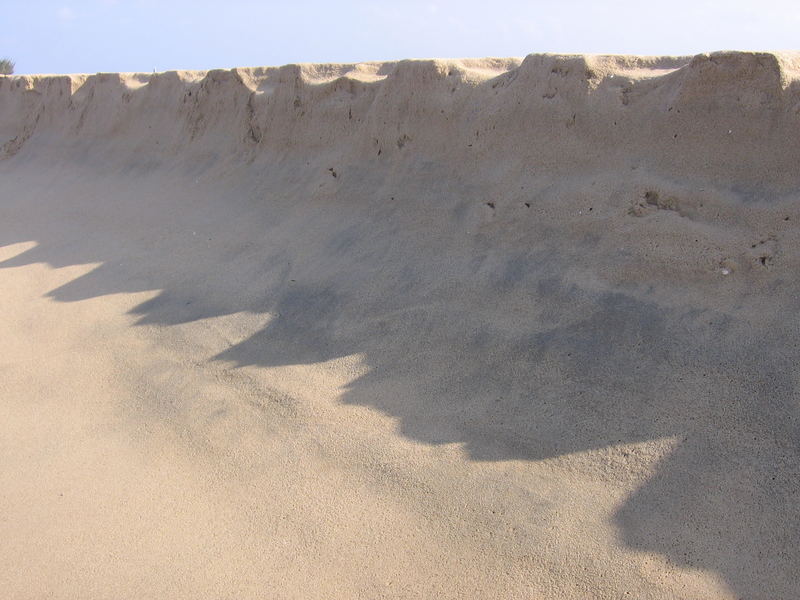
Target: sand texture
point(496, 328)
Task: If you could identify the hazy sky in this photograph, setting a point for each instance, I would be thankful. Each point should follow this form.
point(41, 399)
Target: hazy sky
point(69, 36)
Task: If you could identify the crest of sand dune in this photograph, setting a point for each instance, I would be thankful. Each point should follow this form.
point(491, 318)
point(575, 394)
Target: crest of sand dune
point(496, 328)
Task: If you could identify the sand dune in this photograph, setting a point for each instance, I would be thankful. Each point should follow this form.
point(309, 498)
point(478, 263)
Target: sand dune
point(497, 328)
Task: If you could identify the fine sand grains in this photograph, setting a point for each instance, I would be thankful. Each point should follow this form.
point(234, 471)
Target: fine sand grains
point(496, 328)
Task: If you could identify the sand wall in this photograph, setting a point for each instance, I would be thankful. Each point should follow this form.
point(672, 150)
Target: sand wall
point(705, 117)
point(508, 327)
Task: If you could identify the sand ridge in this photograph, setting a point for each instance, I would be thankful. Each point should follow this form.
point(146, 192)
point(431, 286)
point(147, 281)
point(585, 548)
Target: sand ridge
point(489, 328)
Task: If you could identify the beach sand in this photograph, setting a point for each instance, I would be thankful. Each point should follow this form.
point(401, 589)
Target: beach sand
point(485, 328)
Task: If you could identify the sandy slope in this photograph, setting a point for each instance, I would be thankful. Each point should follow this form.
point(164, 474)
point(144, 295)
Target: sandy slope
point(449, 328)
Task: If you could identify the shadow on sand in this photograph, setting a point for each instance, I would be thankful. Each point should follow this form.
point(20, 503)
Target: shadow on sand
point(482, 340)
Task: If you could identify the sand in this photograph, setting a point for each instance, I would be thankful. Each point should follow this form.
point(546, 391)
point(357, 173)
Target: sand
point(497, 328)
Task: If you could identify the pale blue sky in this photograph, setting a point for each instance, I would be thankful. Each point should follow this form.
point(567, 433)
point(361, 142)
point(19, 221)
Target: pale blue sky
point(70, 36)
